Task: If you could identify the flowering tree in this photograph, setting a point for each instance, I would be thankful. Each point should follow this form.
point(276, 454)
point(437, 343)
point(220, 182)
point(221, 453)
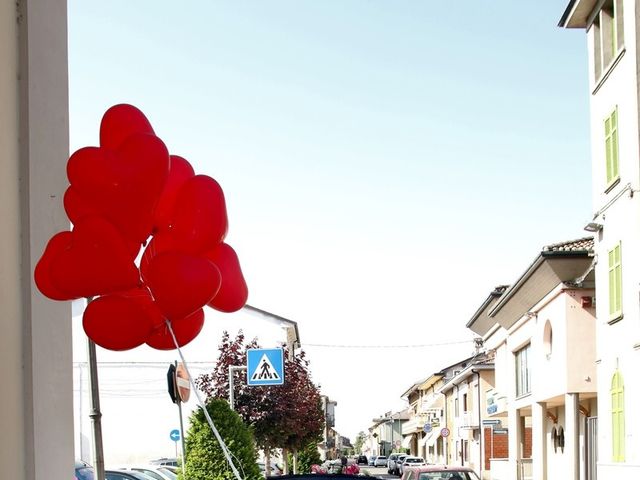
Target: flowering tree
point(285, 416)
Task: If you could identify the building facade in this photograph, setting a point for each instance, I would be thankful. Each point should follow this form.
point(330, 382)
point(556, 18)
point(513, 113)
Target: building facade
point(612, 44)
point(541, 333)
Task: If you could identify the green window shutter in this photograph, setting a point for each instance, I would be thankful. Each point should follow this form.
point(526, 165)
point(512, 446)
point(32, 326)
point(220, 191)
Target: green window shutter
point(611, 146)
point(614, 144)
point(615, 283)
point(617, 417)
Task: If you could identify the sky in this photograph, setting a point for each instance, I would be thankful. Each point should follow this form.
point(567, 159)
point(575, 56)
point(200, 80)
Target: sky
point(385, 165)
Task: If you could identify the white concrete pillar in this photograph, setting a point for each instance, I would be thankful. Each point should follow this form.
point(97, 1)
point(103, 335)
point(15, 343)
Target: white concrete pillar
point(515, 434)
point(513, 418)
point(539, 438)
point(35, 346)
point(572, 435)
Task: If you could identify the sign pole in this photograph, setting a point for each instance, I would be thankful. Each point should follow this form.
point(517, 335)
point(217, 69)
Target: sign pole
point(179, 402)
point(95, 415)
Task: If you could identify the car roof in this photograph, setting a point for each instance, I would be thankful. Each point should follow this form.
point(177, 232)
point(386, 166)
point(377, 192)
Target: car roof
point(440, 468)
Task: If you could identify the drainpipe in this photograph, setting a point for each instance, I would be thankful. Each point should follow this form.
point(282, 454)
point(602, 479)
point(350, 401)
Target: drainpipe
point(480, 429)
point(444, 442)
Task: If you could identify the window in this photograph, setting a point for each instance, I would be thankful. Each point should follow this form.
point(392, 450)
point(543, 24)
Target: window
point(611, 147)
point(615, 283)
point(617, 416)
point(547, 339)
point(464, 402)
point(608, 36)
point(523, 374)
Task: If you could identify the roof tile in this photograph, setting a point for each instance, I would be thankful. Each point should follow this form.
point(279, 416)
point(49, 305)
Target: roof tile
point(580, 245)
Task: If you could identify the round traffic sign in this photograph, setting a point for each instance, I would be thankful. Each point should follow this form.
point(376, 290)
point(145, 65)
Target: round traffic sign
point(445, 432)
point(427, 428)
point(182, 382)
point(174, 435)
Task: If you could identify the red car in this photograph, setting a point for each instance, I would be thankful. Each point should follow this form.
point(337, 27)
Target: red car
point(439, 472)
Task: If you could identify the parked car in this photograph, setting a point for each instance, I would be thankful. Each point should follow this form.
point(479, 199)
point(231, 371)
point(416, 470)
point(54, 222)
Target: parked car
point(84, 471)
point(439, 472)
point(381, 461)
point(410, 461)
point(124, 475)
point(372, 461)
point(164, 461)
point(362, 460)
point(393, 461)
point(153, 471)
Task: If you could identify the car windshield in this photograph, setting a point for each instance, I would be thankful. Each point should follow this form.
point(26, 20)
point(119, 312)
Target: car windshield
point(414, 460)
point(84, 473)
point(448, 475)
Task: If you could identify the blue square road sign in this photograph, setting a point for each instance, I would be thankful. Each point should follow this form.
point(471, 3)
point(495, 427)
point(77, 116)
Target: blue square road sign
point(265, 366)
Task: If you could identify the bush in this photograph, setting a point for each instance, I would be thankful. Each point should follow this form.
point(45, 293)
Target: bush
point(307, 457)
point(205, 459)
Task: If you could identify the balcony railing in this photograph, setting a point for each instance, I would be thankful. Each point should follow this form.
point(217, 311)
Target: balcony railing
point(467, 420)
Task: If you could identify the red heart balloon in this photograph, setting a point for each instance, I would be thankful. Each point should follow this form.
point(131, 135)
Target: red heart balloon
point(124, 184)
point(199, 219)
point(96, 263)
point(42, 275)
point(233, 292)
point(116, 322)
point(77, 208)
point(179, 172)
point(185, 330)
point(181, 283)
point(120, 122)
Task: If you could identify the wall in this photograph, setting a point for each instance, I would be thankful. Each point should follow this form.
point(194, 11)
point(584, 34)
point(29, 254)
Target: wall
point(618, 344)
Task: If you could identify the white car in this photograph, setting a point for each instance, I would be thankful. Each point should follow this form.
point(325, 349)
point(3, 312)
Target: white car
point(152, 471)
point(381, 461)
point(410, 461)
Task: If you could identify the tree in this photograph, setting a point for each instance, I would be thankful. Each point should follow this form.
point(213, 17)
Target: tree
point(205, 459)
point(285, 416)
point(359, 442)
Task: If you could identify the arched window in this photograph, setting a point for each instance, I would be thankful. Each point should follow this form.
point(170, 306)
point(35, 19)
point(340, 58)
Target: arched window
point(547, 339)
point(617, 416)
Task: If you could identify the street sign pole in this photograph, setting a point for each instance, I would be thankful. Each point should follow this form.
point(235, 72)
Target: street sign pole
point(179, 402)
point(96, 414)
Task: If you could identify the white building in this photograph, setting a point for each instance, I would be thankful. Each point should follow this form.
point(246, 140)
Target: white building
point(541, 331)
point(612, 39)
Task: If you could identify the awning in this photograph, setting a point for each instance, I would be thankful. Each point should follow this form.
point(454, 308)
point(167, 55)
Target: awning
point(430, 438)
point(406, 441)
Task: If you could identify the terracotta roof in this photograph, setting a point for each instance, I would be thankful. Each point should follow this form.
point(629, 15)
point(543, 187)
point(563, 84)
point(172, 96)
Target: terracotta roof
point(580, 245)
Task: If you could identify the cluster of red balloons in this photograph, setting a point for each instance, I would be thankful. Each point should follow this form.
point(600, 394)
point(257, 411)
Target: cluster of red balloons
point(125, 194)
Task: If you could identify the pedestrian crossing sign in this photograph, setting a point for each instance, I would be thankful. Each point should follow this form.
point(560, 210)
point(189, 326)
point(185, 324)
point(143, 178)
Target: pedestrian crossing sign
point(265, 366)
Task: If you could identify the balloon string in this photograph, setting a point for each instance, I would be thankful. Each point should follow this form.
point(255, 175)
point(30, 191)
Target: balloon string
point(201, 404)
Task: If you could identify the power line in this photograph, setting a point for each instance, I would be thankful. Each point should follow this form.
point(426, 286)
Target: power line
point(425, 345)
